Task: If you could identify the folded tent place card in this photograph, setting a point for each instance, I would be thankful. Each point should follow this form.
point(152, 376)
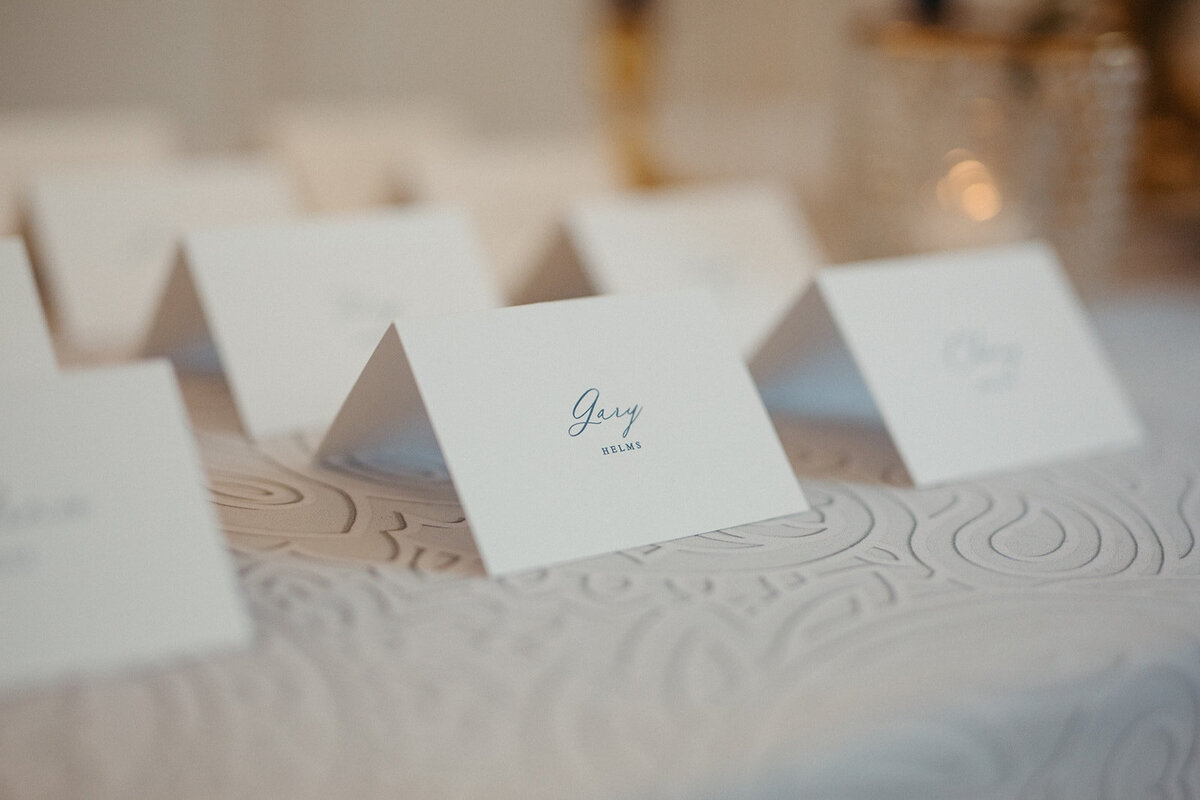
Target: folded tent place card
point(978, 361)
point(295, 308)
point(25, 349)
point(105, 237)
point(34, 141)
point(574, 428)
point(109, 551)
point(357, 154)
point(748, 244)
point(515, 191)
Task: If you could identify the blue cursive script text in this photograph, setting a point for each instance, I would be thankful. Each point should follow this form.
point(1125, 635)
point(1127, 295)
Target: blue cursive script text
point(588, 411)
point(991, 364)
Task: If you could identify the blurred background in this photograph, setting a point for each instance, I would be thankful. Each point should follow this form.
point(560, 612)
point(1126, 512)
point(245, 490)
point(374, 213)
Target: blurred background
point(902, 127)
point(514, 67)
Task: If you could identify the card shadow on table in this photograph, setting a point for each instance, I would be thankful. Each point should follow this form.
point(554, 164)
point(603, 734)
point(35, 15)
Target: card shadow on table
point(831, 449)
point(209, 402)
point(273, 498)
point(407, 517)
point(828, 423)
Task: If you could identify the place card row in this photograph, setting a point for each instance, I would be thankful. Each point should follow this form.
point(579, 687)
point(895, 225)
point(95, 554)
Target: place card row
point(569, 427)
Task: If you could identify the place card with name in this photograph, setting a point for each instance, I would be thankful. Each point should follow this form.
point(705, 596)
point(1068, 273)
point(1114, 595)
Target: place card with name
point(978, 361)
point(105, 237)
point(748, 244)
point(573, 428)
point(294, 309)
point(25, 349)
point(110, 554)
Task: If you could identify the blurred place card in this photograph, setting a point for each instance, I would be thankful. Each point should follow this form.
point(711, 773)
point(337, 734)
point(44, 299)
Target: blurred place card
point(978, 361)
point(747, 244)
point(104, 238)
point(295, 309)
point(109, 551)
point(516, 191)
point(25, 349)
point(354, 155)
point(37, 140)
point(573, 428)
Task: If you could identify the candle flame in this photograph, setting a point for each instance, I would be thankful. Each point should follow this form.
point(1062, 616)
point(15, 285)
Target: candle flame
point(969, 188)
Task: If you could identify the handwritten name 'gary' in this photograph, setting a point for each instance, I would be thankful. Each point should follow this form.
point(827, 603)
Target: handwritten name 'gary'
point(588, 411)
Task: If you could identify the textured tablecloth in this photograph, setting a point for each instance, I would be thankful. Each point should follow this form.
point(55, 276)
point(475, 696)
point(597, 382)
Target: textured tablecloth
point(1031, 635)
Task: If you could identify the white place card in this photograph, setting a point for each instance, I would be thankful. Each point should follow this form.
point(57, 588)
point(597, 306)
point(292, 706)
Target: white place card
point(516, 191)
point(105, 238)
point(25, 349)
point(978, 361)
point(109, 551)
point(748, 244)
point(295, 308)
point(574, 428)
point(358, 154)
point(37, 140)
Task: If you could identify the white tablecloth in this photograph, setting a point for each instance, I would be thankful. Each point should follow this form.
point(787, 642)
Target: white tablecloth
point(1031, 635)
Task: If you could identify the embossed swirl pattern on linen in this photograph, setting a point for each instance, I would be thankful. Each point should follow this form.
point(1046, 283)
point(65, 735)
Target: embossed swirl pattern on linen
point(1032, 635)
point(1085, 520)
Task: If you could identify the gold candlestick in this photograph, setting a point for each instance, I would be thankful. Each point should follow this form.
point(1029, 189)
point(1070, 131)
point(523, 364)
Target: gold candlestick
point(626, 56)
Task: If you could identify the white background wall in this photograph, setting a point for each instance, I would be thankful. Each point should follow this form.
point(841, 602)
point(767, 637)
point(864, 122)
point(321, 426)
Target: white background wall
point(514, 64)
